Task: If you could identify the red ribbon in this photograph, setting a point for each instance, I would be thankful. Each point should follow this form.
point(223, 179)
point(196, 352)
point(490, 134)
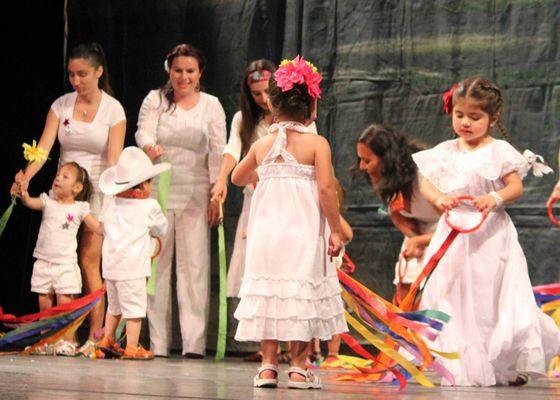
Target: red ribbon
point(67, 307)
point(551, 213)
point(448, 99)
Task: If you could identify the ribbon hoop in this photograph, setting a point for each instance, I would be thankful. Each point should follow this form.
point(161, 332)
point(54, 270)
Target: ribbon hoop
point(465, 230)
point(553, 219)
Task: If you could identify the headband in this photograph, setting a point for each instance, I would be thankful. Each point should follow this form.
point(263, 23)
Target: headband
point(258, 76)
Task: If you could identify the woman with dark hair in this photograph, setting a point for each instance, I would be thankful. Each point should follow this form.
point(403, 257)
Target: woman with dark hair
point(90, 125)
point(248, 125)
point(188, 127)
point(384, 156)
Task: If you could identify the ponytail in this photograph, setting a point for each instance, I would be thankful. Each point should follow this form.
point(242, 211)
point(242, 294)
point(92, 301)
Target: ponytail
point(93, 52)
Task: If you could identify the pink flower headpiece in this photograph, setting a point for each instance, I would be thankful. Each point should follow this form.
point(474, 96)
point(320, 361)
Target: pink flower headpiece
point(298, 71)
point(448, 99)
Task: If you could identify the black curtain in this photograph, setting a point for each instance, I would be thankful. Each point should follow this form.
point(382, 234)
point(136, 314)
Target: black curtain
point(383, 61)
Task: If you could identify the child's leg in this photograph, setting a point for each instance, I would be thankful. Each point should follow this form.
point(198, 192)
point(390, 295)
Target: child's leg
point(334, 346)
point(111, 324)
point(45, 301)
point(133, 326)
point(269, 350)
point(63, 299)
point(299, 353)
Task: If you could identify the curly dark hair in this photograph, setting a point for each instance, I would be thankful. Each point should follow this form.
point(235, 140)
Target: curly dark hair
point(487, 94)
point(398, 170)
point(251, 112)
point(295, 102)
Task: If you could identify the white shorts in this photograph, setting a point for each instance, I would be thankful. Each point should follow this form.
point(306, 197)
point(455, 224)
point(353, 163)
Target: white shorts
point(129, 298)
point(58, 278)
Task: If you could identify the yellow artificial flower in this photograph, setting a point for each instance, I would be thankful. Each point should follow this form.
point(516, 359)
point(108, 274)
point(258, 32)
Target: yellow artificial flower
point(34, 153)
point(285, 61)
point(312, 66)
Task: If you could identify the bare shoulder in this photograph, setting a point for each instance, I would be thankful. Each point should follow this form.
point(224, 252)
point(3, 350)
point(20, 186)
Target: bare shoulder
point(315, 140)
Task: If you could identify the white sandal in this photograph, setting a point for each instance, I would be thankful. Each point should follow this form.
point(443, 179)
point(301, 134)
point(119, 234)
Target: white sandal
point(266, 382)
point(64, 348)
point(312, 381)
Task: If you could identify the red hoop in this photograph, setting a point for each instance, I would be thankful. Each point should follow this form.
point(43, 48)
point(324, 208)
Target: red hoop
point(159, 248)
point(551, 213)
point(462, 230)
point(400, 274)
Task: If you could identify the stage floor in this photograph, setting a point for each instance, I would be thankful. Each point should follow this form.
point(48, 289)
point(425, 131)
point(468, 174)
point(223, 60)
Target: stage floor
point(48, 377)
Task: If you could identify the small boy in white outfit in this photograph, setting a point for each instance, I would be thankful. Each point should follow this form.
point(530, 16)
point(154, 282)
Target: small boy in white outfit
point(128, 223)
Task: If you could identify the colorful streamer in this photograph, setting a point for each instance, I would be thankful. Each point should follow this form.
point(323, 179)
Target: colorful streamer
point(222, 321)
point(548, 299)
point(47, 326)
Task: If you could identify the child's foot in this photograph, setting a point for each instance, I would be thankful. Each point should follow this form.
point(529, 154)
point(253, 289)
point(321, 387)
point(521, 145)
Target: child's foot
point(87, 350)
point(42, 350)
point(520, 380)
point(107, 348)
point(65, 348)
point(303, 379)
point(137, 353)
point(255, 357)
point(267, 376)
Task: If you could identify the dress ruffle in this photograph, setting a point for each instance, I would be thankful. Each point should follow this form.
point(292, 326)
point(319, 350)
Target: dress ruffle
point(449, 168)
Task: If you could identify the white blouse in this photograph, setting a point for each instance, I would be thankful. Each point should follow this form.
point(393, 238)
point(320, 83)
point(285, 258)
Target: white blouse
point(86, 142)
point(193, 142)
point(234, 145)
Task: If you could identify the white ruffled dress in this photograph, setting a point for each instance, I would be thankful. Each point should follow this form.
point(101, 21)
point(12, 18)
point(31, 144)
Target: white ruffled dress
point(482, 281)
point(290, 290)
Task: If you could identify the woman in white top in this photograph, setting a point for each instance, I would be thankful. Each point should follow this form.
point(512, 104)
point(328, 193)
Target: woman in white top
point(385, 157)
point(248, 125)
point(188, 128)
point(90, 126)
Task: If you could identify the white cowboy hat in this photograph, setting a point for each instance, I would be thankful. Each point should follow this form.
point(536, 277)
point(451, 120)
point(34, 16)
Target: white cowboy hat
point(133, 167)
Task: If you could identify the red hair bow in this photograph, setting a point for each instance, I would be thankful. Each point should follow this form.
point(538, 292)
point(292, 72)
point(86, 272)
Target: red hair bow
point(448, 99)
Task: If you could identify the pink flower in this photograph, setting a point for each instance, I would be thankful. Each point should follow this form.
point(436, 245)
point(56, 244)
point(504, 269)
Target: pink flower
point(448, 99)
point(70, 218)
point(298, 71)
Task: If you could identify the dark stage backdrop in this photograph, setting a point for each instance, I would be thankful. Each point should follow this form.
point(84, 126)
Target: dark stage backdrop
point(383, 61)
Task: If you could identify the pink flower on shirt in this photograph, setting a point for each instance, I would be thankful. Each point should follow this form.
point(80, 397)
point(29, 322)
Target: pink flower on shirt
point(70, 217)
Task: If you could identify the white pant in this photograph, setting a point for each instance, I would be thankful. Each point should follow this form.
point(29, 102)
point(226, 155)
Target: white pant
point(127, 298)
point(188, 231)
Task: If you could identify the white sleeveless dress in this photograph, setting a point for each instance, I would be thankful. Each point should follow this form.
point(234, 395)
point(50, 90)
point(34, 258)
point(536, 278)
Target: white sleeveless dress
point(482, 281)
point(289, 291)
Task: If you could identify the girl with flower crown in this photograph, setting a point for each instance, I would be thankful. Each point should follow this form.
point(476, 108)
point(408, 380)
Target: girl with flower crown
point(482, 280)
point(290, 291)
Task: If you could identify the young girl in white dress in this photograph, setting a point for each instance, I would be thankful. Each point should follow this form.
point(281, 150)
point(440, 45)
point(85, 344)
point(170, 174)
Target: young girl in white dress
point(289, 292)
point(482, 281)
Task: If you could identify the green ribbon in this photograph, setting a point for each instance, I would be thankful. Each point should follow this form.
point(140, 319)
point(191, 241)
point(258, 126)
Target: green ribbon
point(162, 195)
point(7, 214)
point(222, 324)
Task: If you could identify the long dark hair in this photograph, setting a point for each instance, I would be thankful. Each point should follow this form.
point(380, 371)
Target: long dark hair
point(487, 94)
point(82, 176)
point(251, 112)
point(93, 52)
point(185, 50)
point(398, 171)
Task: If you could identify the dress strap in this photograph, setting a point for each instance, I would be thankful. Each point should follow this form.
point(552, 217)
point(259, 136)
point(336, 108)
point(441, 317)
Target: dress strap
point(279, 147)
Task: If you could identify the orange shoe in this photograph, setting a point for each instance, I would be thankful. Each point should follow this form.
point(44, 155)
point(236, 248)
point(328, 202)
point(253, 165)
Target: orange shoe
point(108, 348)
point(138, 353)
